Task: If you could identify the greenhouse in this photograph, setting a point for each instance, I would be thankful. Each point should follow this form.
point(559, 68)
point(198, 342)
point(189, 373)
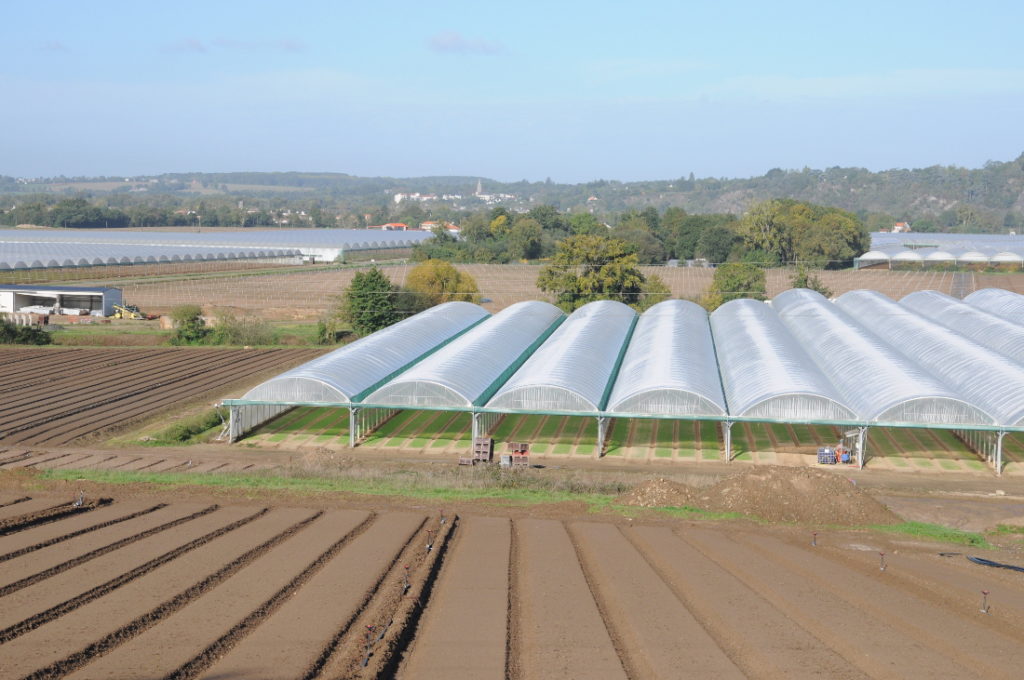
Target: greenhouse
point(860, 362)
point(41, 247)
point(1003, 303)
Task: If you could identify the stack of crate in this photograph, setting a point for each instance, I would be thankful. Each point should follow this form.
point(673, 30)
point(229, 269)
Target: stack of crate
point(483, 450)
point(520, 452)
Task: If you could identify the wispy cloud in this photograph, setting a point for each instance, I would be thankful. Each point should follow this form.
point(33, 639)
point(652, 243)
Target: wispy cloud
point(452, 42)
point(198, 46)
point(54, 46)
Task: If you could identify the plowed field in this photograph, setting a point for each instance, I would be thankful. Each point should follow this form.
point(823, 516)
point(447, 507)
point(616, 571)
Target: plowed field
point(154, 587)
point(53, 396)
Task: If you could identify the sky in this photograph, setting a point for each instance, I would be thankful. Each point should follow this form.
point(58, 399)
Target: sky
point(572, 91)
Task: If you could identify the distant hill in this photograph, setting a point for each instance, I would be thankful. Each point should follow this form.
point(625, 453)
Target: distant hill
point(938, 198)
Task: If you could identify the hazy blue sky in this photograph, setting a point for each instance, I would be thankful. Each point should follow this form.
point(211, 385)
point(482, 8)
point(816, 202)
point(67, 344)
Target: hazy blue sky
point(511, 90)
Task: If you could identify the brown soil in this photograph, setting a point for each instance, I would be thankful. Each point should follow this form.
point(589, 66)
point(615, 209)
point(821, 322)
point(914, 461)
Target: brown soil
point(54, 396)
point(257, 592)
point(773, 493)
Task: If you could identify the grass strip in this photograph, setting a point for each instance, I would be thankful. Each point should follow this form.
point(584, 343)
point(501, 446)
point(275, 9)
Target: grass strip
point(934, 532)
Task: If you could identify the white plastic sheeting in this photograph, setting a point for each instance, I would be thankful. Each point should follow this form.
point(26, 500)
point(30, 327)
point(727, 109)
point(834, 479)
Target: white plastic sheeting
point(877, 382)
point(49, 255)
point(343, 375)
point(571, 370)
point(1003, 303)
point(765, 372)
point(670, 366)
point(983, 327)
point(983, 377)
point(462, 372)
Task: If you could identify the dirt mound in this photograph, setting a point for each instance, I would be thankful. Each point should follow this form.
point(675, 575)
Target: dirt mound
point(658, 493)
point(777, 494)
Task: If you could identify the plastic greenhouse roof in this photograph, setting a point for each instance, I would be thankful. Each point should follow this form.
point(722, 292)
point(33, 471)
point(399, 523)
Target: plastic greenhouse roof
point(349, 239)
point(764, 370)
point(981, 376)
point(47, 255)
point(878, 382)
point(1003, 303)
point(670, 366)
point(983, 327)
point(572, 370)
point(464, 372)
point(344, 375)
point(863, 359)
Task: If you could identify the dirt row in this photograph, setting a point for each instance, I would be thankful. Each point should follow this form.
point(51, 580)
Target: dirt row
point(61, 396)
point(145, 588)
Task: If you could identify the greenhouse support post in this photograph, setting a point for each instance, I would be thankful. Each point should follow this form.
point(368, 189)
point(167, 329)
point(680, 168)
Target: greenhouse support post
point(862, 440)
point(727, 436)
point(353, 426)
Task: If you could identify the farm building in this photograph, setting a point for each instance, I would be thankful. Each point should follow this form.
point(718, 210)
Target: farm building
point(68, 299)
point(35, 249)
point(862, 361)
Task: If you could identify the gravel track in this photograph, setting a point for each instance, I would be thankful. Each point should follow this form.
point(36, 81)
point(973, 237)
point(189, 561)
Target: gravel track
point(296, 634)
point(463, 632)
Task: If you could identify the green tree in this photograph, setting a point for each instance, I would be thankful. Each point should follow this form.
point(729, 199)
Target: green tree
point(189, 327)
point(586, 223)
point(715, 244)
point(804, 279)
point(588, 268)
point(796, 230)
point(524, 239)
point(437, 281)
point(654, 291)
point(11, 334)
point(368, 304)
point(734, 281)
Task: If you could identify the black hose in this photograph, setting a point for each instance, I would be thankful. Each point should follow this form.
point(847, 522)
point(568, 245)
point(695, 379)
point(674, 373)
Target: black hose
point(989, 563)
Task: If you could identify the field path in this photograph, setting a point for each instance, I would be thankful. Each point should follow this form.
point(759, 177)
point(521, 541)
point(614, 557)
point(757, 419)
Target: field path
point(562, 634)
point(463, 633)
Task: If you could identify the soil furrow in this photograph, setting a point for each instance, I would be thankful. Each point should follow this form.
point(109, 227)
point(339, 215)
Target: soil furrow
point(952, 634)
point(658, 634)
point(14, 501)
point(122, 579)
point(761, 640)
point(464, 630)
point(173, 390)
point(561, 630)
point(878, 648)
point(229, 611)
point(383, 609)
point(292, 638)
point(13, 513)
point(47, 535)
point(512, 645)
point(15, 458)
point(18, 524)
point(104, 624)
point(35, 561)
point(405, 611)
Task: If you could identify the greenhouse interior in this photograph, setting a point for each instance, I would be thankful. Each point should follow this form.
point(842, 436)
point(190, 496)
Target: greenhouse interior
point(856, 362)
